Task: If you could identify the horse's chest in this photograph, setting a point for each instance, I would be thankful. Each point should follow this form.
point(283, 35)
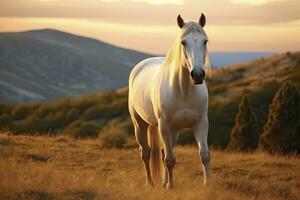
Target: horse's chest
point(183, 113)
point(184, 118)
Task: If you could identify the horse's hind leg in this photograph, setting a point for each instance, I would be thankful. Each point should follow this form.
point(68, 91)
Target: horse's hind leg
point(140, 129)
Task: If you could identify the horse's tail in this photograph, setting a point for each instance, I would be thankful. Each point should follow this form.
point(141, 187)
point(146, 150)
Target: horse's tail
point(156, 165)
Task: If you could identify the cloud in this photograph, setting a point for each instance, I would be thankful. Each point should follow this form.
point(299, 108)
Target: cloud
point(253, 2)
point(154, 2)
point(159, 12)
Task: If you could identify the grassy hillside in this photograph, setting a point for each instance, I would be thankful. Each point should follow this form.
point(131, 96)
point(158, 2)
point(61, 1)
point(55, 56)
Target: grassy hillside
point(91, 115)
point(64, 168)
point(81, 118)
point(259, 79)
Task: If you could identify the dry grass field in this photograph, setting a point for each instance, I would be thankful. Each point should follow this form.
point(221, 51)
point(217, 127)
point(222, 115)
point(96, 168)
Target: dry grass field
point(64, 168)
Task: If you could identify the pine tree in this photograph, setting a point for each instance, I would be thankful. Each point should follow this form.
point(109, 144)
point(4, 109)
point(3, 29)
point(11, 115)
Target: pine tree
point(244, 133)
point(281, 133)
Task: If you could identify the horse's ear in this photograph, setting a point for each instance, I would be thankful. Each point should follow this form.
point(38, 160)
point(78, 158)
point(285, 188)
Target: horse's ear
point(180, 21)
point(202, 20)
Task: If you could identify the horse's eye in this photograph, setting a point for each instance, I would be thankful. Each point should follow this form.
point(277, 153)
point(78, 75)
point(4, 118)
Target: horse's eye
point(205, 42)
point(183, 42)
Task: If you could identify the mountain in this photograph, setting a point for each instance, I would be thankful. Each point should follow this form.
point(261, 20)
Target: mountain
point(49, 64)
point(44, 65)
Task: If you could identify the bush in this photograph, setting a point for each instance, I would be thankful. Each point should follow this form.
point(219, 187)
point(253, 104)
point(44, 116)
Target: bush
point(6, 109)
point(112, 137)
point(43, 110)
point(5, 121)
point(281, 132)
point(83, 103)
point(244, 133)
point(221, 120)
point(34, 124)
point(20, 112)
point(73, 114)
point(106, 111)
point(81, 130)
point(127, 126)
point(95, 112)
point(186, 137)
point(62, 105)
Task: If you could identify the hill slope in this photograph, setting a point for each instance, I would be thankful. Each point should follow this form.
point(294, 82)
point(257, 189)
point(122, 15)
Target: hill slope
point(49, 64)
point(258, 79)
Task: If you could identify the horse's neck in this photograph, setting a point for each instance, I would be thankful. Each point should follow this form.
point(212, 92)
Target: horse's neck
point(179, 78)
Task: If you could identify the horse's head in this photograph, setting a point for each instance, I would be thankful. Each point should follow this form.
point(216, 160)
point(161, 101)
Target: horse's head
point(193, 46)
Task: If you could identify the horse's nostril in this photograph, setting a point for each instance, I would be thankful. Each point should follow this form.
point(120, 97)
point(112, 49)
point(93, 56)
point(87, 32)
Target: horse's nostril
point(192, 74)
point(203, 74)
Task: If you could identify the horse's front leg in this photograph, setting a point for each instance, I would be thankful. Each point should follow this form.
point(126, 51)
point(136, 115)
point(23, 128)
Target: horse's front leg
point(169, 157)
point(201, 132)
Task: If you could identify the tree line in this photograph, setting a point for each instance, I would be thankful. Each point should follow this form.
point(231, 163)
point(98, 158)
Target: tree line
point(280, 133)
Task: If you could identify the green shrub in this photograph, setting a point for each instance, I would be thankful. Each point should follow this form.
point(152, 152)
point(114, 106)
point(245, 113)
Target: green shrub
point(19, 128)
point(106, 111)
point(221, 120)
point(127, 126)
point(95, 112)
point(20, 112)
point(244, 133)
point(6, 109)
point(5, 121)
point(281, 132)
point(186, 137)
point(107, 97)
point(73, 114)
point(60, 120)
point(34, 124)
point(62, 105)
point(81, 130)
point(112, 137)
point(84, 103)
point(43, 110)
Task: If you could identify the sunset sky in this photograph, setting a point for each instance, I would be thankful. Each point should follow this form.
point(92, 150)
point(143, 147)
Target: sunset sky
point(150, 25)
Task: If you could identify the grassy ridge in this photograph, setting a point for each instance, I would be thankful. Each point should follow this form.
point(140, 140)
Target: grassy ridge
point(91, 115)
point(83, 117)
point(63, 168)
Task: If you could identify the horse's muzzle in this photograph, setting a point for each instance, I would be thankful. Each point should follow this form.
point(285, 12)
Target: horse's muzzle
point(198, 77)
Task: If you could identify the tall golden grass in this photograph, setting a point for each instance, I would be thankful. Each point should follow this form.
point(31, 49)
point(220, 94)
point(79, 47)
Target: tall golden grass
point(64, 168)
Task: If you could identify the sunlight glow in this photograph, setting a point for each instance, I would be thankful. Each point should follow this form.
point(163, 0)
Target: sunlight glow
point(47, 0)
point(253, 2)
point(154, 2)
point(158, 38)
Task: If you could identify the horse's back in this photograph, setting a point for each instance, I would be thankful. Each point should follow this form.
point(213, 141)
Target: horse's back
point(149, 64)
point(140, 82)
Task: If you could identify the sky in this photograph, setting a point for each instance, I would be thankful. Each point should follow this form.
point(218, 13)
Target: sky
point(150, 25)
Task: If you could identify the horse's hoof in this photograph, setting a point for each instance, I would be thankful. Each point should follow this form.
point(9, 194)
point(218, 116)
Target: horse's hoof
point(170, 186)
point(164, 184)
point(149, 183)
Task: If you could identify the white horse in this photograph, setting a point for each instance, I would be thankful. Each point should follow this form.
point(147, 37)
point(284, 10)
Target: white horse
point(167, 94)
